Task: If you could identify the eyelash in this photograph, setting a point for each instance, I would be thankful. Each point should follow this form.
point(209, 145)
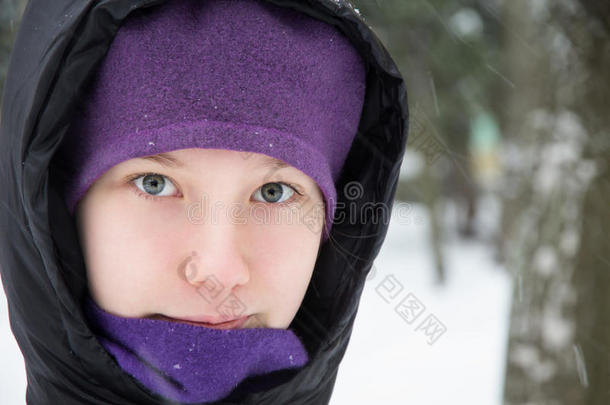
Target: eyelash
point(130, 179)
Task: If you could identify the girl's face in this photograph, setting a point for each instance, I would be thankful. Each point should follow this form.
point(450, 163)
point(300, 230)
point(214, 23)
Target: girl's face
point(205, 235)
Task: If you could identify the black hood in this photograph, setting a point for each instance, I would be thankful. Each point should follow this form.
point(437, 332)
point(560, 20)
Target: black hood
point(58, 46)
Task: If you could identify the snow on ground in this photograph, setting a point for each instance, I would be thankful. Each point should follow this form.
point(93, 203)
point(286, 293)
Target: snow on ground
point(442, 345)
point(12, 372)
point(454, 357)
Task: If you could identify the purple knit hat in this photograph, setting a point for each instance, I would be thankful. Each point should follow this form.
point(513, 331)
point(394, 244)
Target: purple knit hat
point(242, 75)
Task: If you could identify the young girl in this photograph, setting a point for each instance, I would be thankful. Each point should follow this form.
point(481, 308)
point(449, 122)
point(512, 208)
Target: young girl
point(180, 223)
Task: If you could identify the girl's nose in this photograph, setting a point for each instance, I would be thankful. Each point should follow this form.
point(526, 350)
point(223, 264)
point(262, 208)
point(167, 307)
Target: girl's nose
point(216, 266)
point(199, 268)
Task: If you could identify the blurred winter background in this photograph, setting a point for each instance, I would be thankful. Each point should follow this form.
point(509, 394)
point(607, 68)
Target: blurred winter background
point(491, 287)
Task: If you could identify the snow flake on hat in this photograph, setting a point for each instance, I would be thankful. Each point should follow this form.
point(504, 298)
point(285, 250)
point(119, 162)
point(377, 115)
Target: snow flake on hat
point(348, 4)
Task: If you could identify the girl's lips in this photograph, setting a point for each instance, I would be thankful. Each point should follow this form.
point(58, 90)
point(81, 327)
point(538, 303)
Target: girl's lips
point(233, 324)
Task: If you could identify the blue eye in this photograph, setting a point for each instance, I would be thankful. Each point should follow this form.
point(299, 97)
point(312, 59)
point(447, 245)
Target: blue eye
point(274, 192)
point(155, 185)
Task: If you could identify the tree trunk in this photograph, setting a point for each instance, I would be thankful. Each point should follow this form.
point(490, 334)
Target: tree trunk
point(556, 204)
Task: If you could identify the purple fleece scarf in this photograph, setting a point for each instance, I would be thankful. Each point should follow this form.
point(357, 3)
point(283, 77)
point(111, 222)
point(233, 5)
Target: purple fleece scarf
point(189, 363)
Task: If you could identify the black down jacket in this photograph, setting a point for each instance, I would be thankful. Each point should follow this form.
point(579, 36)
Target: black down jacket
point(58, 45)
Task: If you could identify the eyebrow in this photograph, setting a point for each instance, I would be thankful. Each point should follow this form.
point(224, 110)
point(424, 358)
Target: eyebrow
point(273, 163)
point(167, 160)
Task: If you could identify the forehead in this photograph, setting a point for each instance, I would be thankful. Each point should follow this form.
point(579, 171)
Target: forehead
point(170, 160)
